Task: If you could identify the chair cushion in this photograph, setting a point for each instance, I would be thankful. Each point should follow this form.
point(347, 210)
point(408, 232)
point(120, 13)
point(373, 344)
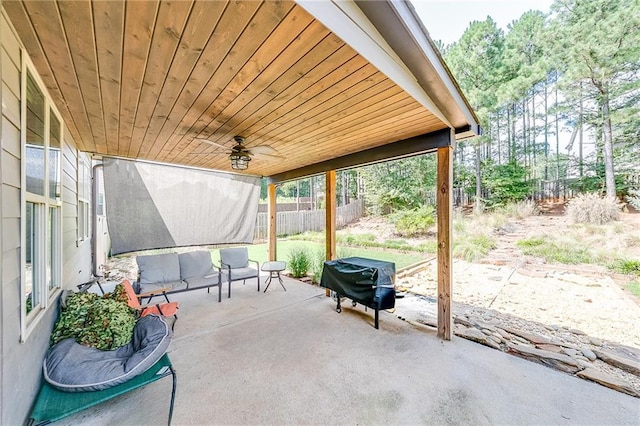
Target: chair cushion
point(195, 264)
point(71, 367)
point(236, 257)
point(241, 273)
point(158, 268)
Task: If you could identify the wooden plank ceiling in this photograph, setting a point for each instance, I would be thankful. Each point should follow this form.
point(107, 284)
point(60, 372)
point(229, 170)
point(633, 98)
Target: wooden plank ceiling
point(146, 79)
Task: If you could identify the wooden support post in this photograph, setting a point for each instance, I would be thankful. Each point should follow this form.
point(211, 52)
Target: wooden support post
point(444, 213)
point(271, 197)
point(330, 213)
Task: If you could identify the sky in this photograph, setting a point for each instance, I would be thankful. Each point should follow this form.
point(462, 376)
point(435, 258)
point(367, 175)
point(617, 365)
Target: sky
point(446, 20)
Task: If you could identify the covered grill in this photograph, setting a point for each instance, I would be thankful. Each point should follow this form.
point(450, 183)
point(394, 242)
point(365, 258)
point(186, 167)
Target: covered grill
point(365, 281)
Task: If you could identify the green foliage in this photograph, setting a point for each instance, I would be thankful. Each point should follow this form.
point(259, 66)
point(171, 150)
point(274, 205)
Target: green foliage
point(591, 208)
point(634, 287)
point(104, 323)
point(473, 247)
point(399, 185)
point(556, 251)
point(507, 183)
point(317, 264)
point(300, 262)
point(414, 222)
point(634, 198)
point(627, 266)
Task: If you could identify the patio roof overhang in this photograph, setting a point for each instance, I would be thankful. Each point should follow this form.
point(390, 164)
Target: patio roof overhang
point(314, 80)
point(327, 84)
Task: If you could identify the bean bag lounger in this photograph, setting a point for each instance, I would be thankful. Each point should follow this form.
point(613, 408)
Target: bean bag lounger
point(78, 377)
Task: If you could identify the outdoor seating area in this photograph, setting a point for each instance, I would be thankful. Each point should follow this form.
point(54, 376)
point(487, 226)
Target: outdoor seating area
point(288, 358)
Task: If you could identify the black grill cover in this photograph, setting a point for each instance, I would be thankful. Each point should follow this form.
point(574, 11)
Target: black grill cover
point(366, 281)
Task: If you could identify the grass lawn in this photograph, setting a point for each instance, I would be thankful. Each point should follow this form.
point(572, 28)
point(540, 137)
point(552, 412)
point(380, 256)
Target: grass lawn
point(259, 252)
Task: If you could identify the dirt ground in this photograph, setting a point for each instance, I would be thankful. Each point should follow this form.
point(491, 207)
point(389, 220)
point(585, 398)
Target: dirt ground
point(582, 297)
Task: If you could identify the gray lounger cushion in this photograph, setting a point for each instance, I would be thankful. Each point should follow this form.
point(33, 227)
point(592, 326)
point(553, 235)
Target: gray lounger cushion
point(159, 268)
point(72, 367)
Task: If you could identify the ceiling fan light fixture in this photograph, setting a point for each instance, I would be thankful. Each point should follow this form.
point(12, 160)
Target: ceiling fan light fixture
point(239, 160)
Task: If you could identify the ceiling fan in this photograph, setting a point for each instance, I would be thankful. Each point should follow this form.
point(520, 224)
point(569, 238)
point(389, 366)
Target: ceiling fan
point(240, 155)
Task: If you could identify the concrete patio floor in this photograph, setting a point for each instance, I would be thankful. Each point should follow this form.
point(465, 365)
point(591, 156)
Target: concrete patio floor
point(281, 357)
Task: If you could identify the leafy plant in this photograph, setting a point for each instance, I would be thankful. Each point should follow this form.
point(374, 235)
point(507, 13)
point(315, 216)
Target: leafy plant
point(591, 208)
point(473, 247)
point(627, 266)
point(556, 251)
point(634, 198)
point(507, 183)
point(317, 264)
point(299, 262)
point(413, 222)
point(104, 323)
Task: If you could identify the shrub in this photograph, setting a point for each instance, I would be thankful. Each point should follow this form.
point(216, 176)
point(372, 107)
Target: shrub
point(473, 247)
point(627, 266)
point(567, 252)
point(299, 262)
point(317, 264)
point(414, 222)
point(591, 208)
point(520, 210)
point(104, 323)
point(634, 198)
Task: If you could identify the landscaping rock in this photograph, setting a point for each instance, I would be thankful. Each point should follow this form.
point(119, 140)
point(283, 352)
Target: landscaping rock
point(622, 363)
point(538, 340)
point(588, 353)
point(607, 380)
point(551, 359)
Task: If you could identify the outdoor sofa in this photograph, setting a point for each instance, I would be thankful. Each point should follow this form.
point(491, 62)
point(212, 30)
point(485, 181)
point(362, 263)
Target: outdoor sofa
point(173, 273)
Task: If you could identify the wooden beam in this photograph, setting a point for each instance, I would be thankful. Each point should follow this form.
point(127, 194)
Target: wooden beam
point(330, 209)
point(271, 196)
point(404, 148)
point(444, 206)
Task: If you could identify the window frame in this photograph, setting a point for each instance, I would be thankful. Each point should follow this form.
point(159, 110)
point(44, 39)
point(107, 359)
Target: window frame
point(48, 223)
point(83, 206)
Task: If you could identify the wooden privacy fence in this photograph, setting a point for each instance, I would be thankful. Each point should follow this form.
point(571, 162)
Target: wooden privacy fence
point(291, 223)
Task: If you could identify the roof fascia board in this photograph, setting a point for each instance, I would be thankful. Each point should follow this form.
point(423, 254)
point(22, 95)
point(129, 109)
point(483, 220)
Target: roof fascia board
point(405, 148)
point(418, 33)
point(346, 20)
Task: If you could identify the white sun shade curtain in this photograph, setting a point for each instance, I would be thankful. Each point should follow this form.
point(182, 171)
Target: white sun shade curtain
point(157, 206)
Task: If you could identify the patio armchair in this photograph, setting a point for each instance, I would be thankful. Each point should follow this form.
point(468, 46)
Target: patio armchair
point(236, 266)
point(165, 309)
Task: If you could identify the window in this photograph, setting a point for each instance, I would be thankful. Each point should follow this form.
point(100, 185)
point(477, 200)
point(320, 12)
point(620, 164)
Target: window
point(84, 194)
point(42, 200)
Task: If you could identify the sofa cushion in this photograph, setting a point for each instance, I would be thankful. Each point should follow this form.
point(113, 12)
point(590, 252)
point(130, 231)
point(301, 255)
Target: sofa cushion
point(71, 367)
point(158, 268)
point(207, 280)
point(171, 285)
point(235, 257)
point(195, 264)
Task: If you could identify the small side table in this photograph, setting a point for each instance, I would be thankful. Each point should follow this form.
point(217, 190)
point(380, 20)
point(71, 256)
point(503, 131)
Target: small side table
point(274, 269)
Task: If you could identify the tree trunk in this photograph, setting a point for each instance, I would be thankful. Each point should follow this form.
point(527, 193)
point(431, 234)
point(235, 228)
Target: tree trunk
point(478, 202)
point(607, 148)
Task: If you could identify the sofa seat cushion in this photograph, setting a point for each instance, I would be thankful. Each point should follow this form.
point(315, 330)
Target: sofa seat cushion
point(171, 285)
point(159, 268)
point(195, 264)
point(71, 367)
point(208, 280)
point(240, 273)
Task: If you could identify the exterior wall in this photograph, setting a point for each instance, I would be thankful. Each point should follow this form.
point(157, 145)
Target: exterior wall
point(21, 363)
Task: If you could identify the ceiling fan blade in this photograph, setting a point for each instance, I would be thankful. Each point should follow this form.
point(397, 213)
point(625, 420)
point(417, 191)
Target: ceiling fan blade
point(207, 141)
point(265, 150)
point(266, 157)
